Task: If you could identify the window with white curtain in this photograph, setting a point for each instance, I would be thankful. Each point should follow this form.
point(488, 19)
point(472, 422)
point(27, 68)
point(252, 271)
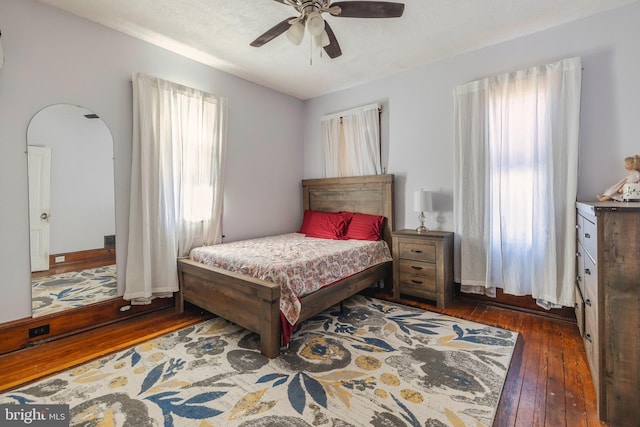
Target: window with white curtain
point(516, 157)
point(352, 142)
point(179, 143)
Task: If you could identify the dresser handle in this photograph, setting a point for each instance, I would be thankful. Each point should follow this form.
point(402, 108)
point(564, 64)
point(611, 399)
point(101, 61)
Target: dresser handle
point(587, 271)
point(588, 302)
point(588, 337)
point(578, 254)
point(417, 282)
point(587, 235)
point(416, 251)
point(579, 278)
point(578, 226)
point(415, 267)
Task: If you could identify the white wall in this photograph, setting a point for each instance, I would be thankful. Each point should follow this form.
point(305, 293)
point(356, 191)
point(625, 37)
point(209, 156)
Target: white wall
point(418, 117)
point(55, 57)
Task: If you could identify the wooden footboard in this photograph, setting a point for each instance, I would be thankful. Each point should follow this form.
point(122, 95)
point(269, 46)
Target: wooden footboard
point(255, 304)
point(251, 303)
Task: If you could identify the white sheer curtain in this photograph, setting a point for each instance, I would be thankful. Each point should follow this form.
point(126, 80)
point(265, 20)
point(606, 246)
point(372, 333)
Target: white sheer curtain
point(179, 142)
point(516, 156)
point(352, 142)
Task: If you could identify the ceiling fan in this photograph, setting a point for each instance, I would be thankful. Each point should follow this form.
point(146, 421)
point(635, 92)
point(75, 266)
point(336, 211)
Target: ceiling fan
point(310, 17)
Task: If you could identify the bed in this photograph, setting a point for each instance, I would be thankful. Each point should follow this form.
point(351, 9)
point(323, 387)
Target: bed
point(254, 303)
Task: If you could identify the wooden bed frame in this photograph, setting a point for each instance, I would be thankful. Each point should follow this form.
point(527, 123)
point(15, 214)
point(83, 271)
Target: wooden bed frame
point(255, 304)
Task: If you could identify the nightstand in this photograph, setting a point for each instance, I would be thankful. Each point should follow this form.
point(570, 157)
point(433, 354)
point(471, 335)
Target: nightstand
point(423, 265)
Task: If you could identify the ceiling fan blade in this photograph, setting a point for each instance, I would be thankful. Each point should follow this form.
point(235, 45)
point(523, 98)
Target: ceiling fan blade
point(368, 9)
point(272, 33)
point(333, 48)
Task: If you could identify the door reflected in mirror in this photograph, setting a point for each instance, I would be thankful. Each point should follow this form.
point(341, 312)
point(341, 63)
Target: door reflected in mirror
point(71, 209)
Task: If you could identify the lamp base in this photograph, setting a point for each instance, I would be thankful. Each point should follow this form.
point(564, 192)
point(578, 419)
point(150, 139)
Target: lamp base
point(421, 228)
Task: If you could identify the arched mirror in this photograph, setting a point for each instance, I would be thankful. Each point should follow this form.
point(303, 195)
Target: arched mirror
point(71, 209)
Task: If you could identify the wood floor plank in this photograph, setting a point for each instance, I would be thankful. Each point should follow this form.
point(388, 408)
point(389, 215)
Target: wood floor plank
point(533, 336)
point(575, 406)
point(539, 408)
point(555, 412)
point(512, 390)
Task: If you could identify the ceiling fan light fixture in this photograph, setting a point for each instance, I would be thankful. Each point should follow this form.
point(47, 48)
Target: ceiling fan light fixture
point(315, 23)
point(295, 33)
point(322, 40)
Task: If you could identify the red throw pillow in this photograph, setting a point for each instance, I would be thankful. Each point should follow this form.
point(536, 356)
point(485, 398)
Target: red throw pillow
point(326, 225)
point(365, 227)
point(306, 219)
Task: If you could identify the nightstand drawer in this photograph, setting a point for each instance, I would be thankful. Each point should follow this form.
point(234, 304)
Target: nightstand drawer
point(419, 251)
point(413, 283)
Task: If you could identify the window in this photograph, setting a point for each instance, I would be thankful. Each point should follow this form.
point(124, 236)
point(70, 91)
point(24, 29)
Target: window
point(179, 140)
point(352, 142)
point(516, 148)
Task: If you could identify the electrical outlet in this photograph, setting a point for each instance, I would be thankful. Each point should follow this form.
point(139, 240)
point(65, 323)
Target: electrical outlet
point(59, 258)
point(110, 241)
point(39, 330)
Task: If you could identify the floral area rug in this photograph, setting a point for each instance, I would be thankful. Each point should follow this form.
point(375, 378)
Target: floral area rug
point(58, 292)
point(373, 363)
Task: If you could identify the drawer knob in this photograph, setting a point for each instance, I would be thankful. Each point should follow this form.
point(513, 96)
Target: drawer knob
point(417, 251)
point(587, 235)
point(588, 302)
point(416, 267)
point(587, 271)
point(417, 282)
point(579, 278)
point(588, 337)
point(578, 254)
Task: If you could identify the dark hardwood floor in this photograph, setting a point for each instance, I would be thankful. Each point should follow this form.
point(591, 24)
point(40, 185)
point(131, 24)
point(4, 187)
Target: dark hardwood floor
point(549, 383)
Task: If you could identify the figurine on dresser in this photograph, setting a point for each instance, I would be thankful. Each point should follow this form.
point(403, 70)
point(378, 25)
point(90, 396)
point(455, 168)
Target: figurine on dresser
point(631, 181)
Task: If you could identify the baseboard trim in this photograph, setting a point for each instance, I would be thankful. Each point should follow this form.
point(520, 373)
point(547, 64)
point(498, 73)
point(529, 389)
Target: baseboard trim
point(521, 303)
point(15, 335)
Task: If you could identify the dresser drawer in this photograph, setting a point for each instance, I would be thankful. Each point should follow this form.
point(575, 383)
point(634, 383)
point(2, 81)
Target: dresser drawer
point(415, 250)
point(580, 255)
point(579, 309)
point(591, 337)
point(580, 228)
point(417, 276)
point(589, 238)
point(589, 279)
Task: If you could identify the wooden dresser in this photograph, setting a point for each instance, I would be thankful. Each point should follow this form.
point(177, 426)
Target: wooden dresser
point(608, 305)
point(423, 265)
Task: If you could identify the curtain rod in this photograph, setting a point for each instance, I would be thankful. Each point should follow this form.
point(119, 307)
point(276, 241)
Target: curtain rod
point(351, 110)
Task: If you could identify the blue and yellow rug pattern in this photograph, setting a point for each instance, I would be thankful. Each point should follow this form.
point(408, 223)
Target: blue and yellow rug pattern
point(373, 363)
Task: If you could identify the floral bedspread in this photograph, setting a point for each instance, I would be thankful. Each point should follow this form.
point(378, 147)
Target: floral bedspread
point(299, 264)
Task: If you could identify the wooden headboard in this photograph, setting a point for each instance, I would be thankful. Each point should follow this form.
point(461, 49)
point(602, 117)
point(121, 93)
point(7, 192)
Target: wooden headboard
point(371, 194)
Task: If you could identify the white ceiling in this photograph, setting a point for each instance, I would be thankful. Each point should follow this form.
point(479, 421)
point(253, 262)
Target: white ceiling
point(218, 33)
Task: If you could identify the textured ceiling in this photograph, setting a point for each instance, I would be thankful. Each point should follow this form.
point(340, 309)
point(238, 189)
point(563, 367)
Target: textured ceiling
point(218, 33)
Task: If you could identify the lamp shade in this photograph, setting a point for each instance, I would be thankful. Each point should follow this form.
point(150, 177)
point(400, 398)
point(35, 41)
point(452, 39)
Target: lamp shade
point(422, 201)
